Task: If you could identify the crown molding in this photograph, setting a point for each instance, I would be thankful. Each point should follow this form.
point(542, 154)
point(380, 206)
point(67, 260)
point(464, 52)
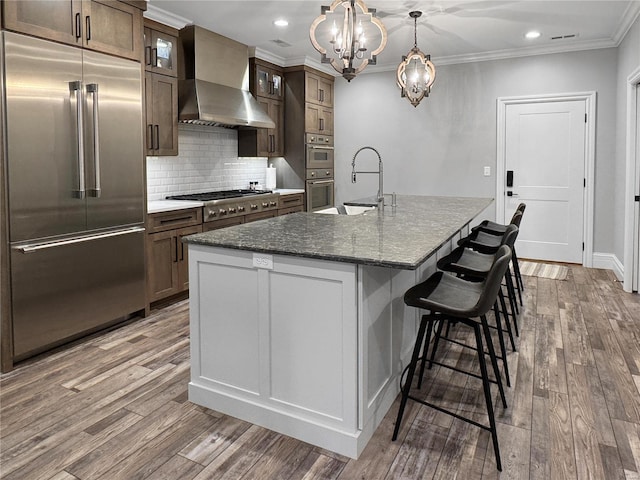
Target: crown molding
point(166, 18)
point(629, 16)
point(267, 56)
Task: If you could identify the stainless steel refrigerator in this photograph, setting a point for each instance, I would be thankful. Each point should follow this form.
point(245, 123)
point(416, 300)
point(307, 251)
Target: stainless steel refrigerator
point(74, 154)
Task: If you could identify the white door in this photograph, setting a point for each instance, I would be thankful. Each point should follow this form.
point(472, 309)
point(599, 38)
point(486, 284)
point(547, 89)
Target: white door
point(545, 150)
point(636, 214)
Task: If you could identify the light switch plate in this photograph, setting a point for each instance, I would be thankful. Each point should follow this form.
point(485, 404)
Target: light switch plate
point(261, 260)
point(487, 171)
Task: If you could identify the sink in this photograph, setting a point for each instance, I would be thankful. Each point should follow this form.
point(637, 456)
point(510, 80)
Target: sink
point(346, 210)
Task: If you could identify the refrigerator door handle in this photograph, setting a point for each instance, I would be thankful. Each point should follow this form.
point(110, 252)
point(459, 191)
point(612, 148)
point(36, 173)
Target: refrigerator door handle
point(95, 191)
point(34, 247)
point(77, 88)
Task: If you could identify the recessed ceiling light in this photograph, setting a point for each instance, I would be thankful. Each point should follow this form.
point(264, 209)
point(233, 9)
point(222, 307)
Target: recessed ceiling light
point(281, 22)
point(532, 34)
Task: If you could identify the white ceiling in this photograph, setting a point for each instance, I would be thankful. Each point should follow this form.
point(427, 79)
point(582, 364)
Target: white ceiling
point(452, 31)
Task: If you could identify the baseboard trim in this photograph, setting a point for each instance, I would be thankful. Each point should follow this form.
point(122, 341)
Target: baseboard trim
point(610, 262)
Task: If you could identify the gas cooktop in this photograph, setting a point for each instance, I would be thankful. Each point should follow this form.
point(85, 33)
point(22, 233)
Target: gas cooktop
point(220, 195)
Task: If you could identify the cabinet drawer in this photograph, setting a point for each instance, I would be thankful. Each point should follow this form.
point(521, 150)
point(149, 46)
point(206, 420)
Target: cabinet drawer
point(313, 173)
point(291, 200)
point(158, 222)
point(287, 211)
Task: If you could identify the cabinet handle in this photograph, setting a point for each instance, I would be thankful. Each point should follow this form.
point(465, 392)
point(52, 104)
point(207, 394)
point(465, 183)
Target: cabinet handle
point(155, 57)
point(149, 137)
point(181, 250)
point(176, 220)
point(321, 95)
point(272, 142)
point(147, 55)
point(88, 27)
point(321, 124)
point(157, 138)
point(175, 249)
point(78, 26)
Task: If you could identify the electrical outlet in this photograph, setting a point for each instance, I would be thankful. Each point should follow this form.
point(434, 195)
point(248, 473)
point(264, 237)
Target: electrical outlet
point(261, 260)
point(487, 171)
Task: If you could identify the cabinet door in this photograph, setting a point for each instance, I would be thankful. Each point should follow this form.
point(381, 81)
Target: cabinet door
point(162, 265)
point(318, 90)
point(160, 52)
point(276, 112)
point(269, 83)
point(162, 114)
point(60, 21)
point(183, 256)
point(318, 119)
point(112, 27)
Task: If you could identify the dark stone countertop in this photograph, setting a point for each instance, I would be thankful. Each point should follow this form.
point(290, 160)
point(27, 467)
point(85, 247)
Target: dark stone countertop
point(403, 237)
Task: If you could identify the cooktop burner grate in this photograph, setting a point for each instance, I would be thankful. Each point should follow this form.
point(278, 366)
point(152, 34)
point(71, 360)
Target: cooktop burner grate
point(208, 196)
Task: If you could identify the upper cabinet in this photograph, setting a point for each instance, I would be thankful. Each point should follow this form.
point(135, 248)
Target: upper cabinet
point(266, 82)
point(318, 89)
point(160, 49)
point(107, 26)
point(266, 79)
point(161, 86)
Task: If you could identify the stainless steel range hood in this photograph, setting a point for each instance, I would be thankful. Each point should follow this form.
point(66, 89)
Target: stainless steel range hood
point(215, 90)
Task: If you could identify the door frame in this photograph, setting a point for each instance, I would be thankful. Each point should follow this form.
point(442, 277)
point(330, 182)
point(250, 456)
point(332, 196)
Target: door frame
point(589, 99)
point(632, 170)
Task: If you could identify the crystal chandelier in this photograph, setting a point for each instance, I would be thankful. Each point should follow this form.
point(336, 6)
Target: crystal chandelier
point(415, 73)
point(350, 28)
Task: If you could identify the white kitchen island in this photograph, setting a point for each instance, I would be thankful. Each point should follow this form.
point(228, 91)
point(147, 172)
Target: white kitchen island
point(298, 322)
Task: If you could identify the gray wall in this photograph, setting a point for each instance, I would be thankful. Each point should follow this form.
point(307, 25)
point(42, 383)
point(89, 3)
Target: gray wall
point(441, 147)
point(628, 62)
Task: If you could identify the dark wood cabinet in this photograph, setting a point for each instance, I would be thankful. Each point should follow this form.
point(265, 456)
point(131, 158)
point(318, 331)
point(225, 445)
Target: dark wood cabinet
point(318, 119)
point(266, 82)
point(107, 26)
point(318, 89)
point(160, 48)
point(264, 142)
point(167, 256)
point(290, 203)
point(161, 89)
point(161, 114)
point(266, 79)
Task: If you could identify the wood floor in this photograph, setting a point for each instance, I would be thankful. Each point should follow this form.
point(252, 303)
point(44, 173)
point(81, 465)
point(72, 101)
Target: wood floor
point(116, 407)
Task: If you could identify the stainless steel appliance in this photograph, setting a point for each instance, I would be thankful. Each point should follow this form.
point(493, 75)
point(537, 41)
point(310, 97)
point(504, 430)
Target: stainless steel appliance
point(319, 194)
point(319, 151)
point(74, 153)
point(233, 203)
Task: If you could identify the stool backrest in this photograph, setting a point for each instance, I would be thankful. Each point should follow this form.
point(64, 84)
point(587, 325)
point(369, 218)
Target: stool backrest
point(517, 217)
point(492, 283)
point(510, 236)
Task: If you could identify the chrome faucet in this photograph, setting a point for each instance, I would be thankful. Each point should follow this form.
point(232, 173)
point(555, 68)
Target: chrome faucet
point(380, 197)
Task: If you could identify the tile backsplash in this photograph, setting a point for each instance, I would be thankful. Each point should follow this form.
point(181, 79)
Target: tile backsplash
point(207, 161)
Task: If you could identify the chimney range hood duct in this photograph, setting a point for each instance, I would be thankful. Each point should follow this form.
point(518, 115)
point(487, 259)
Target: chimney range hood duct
point(215, 89)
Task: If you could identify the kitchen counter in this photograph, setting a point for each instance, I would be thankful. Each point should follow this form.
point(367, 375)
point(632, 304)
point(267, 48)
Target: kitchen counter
point(398, 238)
point(158, 206)
point(298, 323)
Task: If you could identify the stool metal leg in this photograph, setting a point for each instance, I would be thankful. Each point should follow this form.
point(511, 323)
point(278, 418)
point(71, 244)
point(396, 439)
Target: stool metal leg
point(505, 315)
point(516, 267)
point(425, 352)
point(412, 370)
point(487, 394)
point(494, 360)
point(503, 350)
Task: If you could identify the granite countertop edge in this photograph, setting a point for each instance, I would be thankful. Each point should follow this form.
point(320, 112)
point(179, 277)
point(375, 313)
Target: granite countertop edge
point(402, 238)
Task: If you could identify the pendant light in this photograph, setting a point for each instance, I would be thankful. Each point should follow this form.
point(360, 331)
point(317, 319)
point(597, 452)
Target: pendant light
point(415, 73)
point(346, 36)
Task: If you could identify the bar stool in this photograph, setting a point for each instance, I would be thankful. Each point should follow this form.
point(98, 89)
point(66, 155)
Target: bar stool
point(475, 266)
point(494, 228)
point(488, 244)
point(448, 298)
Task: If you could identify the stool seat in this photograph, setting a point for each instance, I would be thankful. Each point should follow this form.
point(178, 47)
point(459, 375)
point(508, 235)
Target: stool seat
point(490, 227)
point(447, 294)
point(465, 261)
